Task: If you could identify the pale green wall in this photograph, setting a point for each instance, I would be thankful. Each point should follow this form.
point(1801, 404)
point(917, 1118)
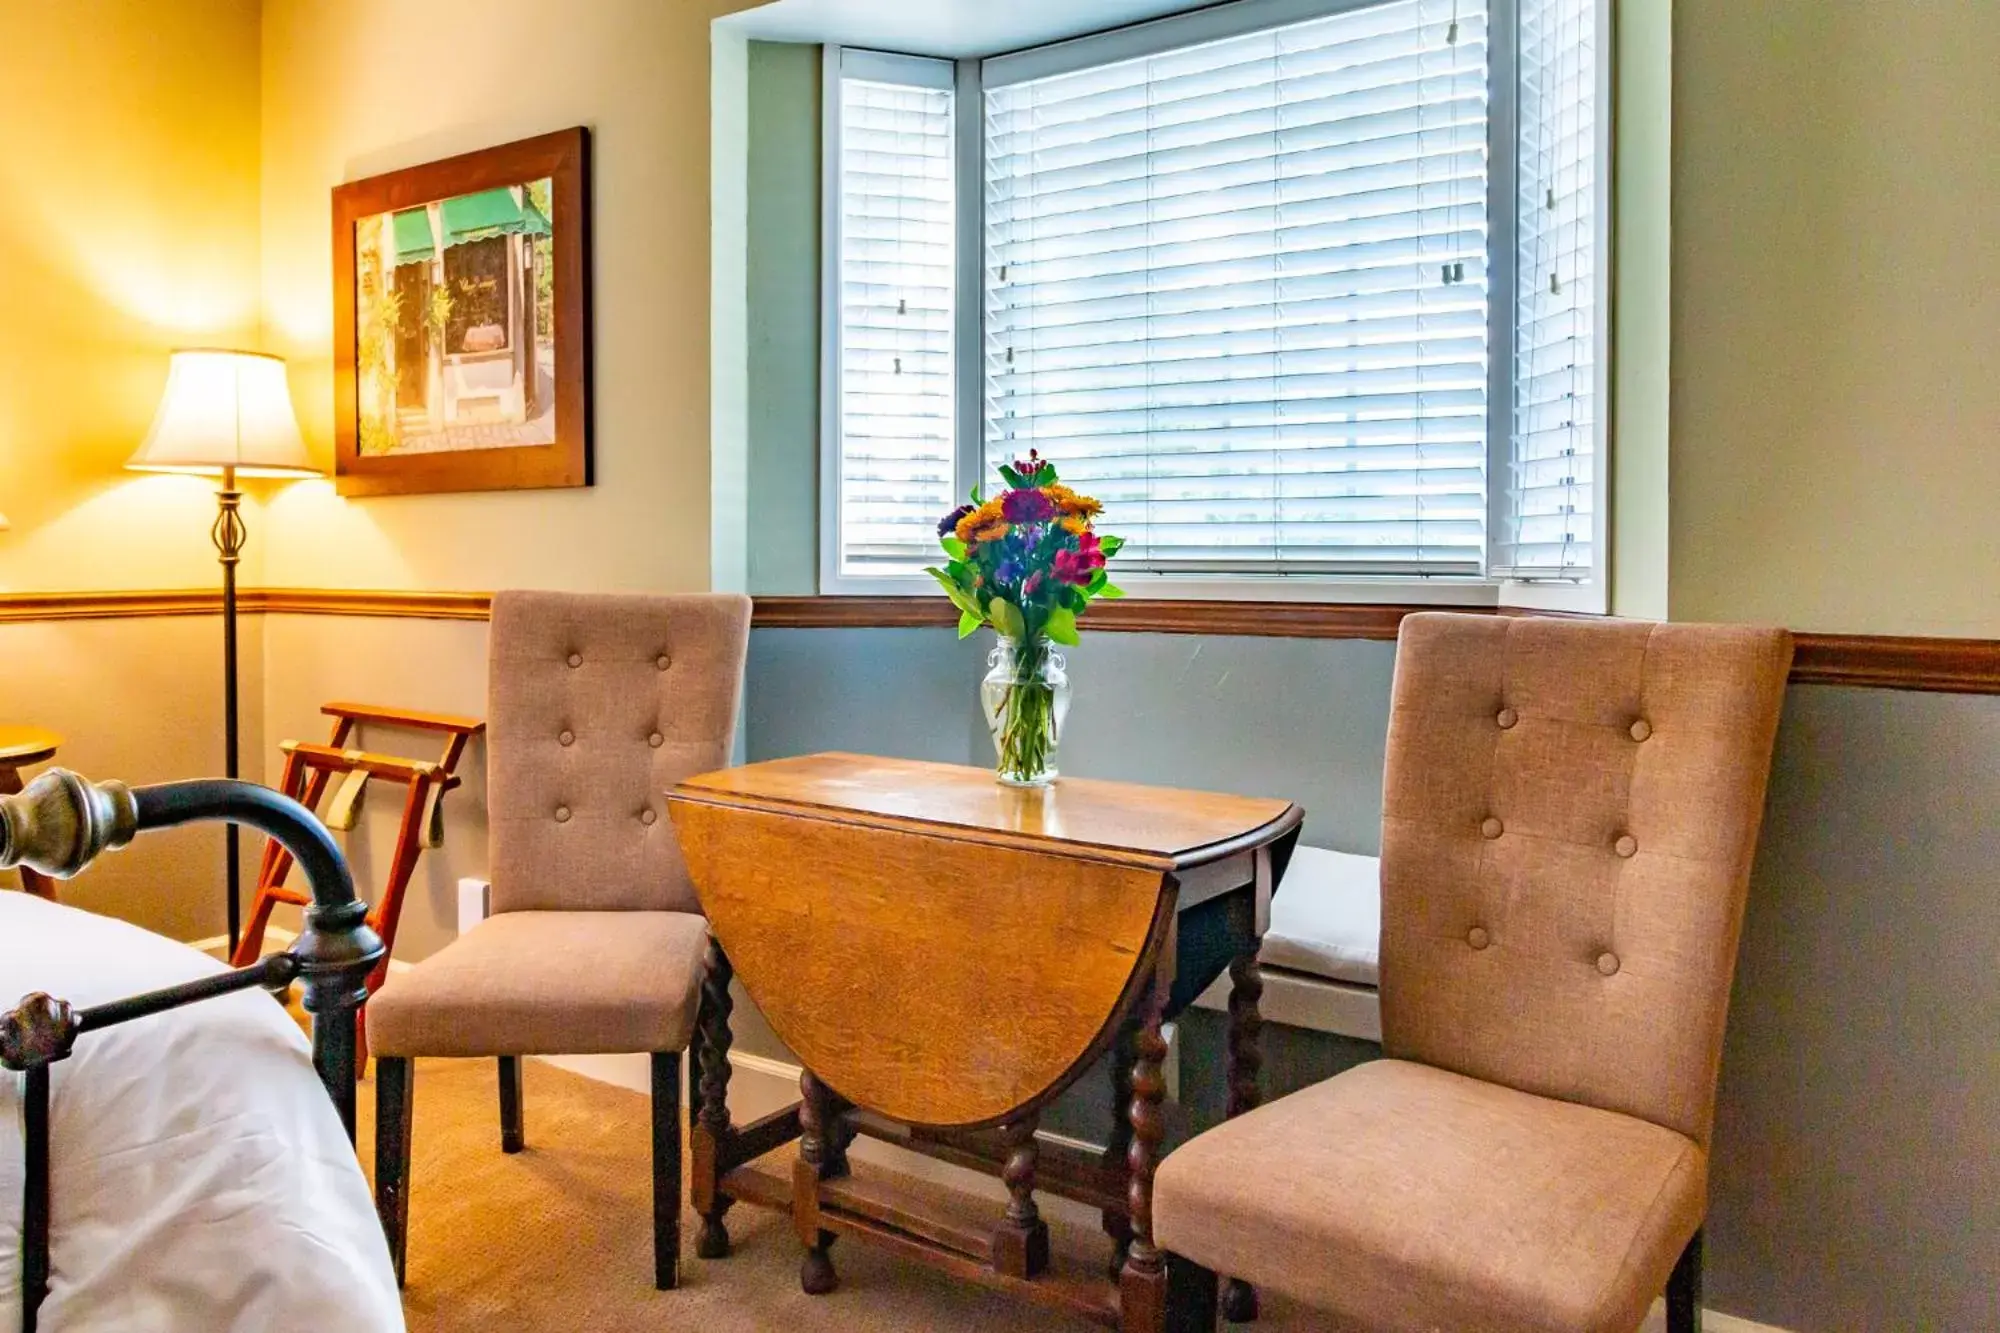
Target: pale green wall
point(1836, 314)
point(783, 317)
point(1641, 305)
point(729, 389)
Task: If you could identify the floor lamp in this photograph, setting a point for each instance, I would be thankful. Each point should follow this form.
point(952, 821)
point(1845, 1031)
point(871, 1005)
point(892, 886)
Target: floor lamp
point(226, 414)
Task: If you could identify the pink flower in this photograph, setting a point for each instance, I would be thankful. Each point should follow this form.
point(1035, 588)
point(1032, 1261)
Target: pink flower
point(1077, 567)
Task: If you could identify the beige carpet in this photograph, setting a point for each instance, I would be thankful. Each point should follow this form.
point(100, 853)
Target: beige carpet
point(559, 1237)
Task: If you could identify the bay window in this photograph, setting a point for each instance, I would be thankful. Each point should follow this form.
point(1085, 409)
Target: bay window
point(1308, 292)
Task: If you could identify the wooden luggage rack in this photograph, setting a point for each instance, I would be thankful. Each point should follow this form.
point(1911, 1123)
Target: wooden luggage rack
point(309, 772)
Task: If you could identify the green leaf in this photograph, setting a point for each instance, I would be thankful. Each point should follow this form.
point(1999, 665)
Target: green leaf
point(953, 547)
point(1111, 545)
point(968, 622)
point(960, 598)
point(1061, 625)
point(1111, 590)
point(1097, 581)
point(1006, 618)
point(1011, 477)
point(976, 501)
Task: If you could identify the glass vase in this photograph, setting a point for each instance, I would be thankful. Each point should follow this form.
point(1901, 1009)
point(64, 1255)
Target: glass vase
point(1025, 697)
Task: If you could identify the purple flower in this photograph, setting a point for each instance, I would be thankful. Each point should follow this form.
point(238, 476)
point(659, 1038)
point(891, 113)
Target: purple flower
point(949, 523)
point(1008, 571)
point(1028, 506)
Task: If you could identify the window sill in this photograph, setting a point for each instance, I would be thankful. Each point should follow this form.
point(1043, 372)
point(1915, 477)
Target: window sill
point(1297, 619)
point(1295, 588)
point(1282, 607)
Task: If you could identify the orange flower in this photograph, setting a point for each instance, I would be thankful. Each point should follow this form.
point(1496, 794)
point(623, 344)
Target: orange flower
point(992, 532)
point(1075, 525)
point(975, 525)
point(1069, 502)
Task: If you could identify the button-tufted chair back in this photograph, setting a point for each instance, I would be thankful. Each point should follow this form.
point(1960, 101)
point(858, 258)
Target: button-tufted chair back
point(596, 706)
point(1569, 814)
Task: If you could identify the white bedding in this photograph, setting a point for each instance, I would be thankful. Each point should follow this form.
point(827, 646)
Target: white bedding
point(201, 1179)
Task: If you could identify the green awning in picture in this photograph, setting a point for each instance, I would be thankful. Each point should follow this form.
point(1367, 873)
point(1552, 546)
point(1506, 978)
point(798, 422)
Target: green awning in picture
point(412, 228)
point(489, 213)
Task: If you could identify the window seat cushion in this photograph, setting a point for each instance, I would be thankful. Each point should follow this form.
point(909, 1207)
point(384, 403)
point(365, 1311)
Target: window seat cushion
point(1326, 918)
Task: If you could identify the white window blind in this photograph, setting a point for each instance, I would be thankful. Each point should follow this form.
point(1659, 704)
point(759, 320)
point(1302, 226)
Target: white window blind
point(1238, 292)
point(895, 217)
point(1549, 523)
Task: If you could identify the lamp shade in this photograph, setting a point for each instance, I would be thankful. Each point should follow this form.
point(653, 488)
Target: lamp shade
point(225, 410)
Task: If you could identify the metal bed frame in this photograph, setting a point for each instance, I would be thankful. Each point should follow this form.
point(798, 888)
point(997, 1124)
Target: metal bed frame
point(59, 825)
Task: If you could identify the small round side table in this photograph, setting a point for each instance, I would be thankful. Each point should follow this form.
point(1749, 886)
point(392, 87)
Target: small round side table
point(21, 747)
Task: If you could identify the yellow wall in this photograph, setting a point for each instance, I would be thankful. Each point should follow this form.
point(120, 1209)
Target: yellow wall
point(1836, 315)
point(366, 86)
point(129, 227)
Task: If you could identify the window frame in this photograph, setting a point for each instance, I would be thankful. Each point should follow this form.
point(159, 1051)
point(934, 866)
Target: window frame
point(969, 79)
point(922, 71)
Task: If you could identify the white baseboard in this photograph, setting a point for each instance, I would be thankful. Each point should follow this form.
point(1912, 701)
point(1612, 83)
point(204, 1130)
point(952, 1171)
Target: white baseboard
point(1317, 1004)
point(1712, 1321)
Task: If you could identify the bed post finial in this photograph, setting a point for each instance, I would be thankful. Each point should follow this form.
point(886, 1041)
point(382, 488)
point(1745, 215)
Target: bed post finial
point(40, 1031)
point(63, 822)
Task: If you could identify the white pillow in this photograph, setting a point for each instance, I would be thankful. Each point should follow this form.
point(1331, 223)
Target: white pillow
point(1326, 918)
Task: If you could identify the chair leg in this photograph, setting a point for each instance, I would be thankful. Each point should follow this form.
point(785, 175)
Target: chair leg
point(1684, 1290)
point(1191, 1296)
point(393, 1103)
point(512, 1136)
point(666, 1170)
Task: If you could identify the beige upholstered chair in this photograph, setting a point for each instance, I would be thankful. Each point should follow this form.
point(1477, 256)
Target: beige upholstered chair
point(597, 706)
point(1569, 814)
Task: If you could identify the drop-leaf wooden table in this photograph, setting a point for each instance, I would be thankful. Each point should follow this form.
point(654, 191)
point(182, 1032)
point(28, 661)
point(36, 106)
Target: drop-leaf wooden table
point(945, 955)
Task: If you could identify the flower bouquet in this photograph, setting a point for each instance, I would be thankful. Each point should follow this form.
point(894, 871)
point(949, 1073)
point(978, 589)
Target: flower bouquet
point(1028, 563)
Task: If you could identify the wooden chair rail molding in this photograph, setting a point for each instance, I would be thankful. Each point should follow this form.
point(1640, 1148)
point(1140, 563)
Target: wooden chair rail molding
point(1952, 666)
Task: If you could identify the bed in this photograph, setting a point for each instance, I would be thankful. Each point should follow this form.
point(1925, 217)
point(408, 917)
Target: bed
point(199, 1176)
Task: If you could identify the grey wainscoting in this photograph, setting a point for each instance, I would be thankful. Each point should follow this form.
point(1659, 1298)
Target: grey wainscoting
point(1856, 1180)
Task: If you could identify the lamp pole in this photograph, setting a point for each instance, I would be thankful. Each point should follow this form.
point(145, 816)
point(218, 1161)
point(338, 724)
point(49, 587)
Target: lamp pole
point(229, 535)
point(228, 412)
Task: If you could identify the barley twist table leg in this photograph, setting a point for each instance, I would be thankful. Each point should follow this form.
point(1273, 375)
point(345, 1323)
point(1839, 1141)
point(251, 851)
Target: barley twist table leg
point(818, 1156)
point(1021, 1244)
point(712, 1127)
point(1124, 1053)
point(1246, 1063)
point(1142, 1284)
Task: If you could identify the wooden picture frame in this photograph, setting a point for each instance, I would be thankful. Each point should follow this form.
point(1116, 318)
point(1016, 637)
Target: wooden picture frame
point(427, 400)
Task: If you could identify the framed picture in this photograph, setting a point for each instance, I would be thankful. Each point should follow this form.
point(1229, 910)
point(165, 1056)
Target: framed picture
point(461, 328)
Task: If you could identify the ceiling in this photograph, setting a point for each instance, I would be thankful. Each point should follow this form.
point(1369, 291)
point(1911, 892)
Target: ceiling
point(955, 28)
